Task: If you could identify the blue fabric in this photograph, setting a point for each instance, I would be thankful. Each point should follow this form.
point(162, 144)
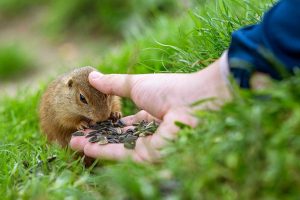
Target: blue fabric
point(278, 34)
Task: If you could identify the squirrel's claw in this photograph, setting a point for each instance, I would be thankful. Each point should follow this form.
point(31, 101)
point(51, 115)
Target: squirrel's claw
point(115, 116)
point(83, 125)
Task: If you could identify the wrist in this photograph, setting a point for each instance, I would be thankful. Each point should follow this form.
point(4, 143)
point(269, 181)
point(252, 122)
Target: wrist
point(214, 82)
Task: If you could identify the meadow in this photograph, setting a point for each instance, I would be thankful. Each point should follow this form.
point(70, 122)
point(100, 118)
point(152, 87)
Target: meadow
point(249, 149)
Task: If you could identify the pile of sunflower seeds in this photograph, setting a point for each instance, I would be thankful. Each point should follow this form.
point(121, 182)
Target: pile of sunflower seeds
point(111, 132)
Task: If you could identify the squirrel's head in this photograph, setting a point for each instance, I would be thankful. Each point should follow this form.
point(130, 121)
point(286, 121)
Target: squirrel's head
point(85, 101)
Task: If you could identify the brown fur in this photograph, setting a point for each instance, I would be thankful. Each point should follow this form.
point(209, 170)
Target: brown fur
point(61, 111)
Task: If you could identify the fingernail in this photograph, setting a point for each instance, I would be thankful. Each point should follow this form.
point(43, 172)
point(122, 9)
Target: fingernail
point(95, 75)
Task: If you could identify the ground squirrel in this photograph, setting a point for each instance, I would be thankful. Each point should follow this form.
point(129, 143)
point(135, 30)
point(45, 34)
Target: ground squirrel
point(70, 103)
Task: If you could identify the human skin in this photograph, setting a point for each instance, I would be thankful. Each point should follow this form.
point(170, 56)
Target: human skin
point(166, 98)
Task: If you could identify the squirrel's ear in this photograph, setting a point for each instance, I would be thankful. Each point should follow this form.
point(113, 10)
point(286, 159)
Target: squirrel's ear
point(70, 83)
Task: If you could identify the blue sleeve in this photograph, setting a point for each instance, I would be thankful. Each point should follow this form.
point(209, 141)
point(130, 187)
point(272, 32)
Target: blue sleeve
point(276, 37)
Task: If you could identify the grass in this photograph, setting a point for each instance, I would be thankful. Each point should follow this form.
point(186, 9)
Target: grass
point(11, 8)
point(118, 17)
point(14, 62)
point(247, 150)
point(93, 18)
point(185, 44)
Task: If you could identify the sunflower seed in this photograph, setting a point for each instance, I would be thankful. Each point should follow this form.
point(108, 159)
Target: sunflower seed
point(78, 133)
point(119, 123)
point(90, 134)
point(129, 144)
point(94, 139)
point(51, 158)
point(129, 131)
point(111, 132)
point(102, 140)
point(118, 130)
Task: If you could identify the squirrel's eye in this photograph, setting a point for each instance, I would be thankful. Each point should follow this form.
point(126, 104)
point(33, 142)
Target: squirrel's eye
point(82, 99)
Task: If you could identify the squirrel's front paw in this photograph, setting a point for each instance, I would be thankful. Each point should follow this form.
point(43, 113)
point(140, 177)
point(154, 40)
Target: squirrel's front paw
point(83, 125)
point(115, 116)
